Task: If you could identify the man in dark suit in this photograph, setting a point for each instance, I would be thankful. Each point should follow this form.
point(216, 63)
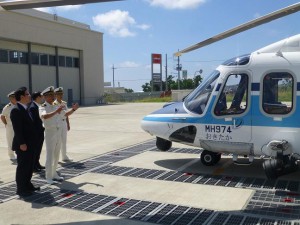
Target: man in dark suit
point(24, 142)
point(38, 123)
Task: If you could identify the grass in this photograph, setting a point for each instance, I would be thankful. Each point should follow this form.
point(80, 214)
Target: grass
point(165, 99)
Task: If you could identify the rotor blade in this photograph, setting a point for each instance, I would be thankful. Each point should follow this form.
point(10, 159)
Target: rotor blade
point(12, 5)
point(246, 26)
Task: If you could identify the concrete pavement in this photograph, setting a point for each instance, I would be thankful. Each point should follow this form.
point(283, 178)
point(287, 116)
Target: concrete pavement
point(104, 173)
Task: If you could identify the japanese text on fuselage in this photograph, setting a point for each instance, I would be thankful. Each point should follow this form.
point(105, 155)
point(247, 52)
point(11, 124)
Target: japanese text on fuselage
point(218, 133)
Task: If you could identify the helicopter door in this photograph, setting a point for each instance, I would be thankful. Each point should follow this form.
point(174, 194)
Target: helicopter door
point(232, 110)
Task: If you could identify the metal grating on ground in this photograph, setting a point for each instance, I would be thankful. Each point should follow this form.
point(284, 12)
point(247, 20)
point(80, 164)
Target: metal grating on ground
point(283, 204)
point(217, 180)
point(154, 212)
point(274, 202)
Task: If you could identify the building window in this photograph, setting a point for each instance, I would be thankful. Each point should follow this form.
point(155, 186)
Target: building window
point(35, 59)
point(23, 57)
point(278, 93)
point(234, 97)
point(44, 59)
point(3, 55)
point(62, 61)
point(76, 62)
point(52, 60)
point(69, 61)
point(13, 57)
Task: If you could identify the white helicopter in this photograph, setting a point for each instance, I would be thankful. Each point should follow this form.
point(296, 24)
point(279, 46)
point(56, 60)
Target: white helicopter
point(249, 106)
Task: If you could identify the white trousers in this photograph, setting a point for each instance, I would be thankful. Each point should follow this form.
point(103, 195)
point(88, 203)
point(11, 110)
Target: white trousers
point(64, 141)
point(53, 144)
point(9, 139)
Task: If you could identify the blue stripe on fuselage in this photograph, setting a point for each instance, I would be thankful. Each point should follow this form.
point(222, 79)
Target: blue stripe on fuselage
point(257, 117)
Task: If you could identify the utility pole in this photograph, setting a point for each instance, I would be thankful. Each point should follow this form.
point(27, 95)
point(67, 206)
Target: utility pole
point(166, 88)
point(178, 69)
point(113, 68)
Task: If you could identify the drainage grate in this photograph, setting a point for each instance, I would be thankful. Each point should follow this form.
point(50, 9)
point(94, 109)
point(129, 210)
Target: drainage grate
point(218, 180)
point(271, 198)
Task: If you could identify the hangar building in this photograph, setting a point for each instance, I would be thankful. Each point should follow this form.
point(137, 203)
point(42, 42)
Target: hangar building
point(38, 50)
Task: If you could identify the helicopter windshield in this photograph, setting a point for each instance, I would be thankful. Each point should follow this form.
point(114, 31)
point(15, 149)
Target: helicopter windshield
point(197, 100)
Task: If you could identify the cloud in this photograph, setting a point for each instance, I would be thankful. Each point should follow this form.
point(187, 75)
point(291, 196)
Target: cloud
point(68, 7)
point(60, 8)
point(118, 23)
point(176, 4)
point(256, 15)
point(47, 10)
point(129, 64)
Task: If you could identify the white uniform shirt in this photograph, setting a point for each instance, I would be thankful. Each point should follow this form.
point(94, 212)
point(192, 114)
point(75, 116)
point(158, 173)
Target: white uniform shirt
point(64, 104)
point(56, 120)
point(6, 112)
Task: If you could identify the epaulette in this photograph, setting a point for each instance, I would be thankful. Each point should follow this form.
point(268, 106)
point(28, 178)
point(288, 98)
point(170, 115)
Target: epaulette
point(55, 103)
point(9, 104)
point(44, 104)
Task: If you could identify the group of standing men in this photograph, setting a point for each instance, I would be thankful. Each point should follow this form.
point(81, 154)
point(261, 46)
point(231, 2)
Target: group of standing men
point(28, 123)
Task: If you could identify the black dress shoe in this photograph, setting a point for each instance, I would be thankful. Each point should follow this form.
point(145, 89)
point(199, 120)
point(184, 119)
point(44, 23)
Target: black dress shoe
point(35, 189)
point(41, 167)
point(24, 194)
point(36, 170)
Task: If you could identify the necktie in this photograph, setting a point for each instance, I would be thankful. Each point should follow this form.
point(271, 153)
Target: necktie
point(30, 114)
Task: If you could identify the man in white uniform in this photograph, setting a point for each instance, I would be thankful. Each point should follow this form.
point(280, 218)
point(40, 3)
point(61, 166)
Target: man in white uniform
point(66, 124)
point(5, 118)
point(52, 116)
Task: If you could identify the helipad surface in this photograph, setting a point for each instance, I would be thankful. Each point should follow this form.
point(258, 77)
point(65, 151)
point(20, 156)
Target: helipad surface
point(121, 178)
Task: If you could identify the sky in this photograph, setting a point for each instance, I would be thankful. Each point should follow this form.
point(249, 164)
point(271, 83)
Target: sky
point(134, 29)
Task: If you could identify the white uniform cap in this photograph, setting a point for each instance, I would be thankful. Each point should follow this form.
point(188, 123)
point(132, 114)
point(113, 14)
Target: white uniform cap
point(11, 94)
point(58, 90)
point(48, 90)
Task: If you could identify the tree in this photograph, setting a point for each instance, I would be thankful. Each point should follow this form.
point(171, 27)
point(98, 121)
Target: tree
point(146, 87)
point(197, 80)
point(129, 90)
point(173, 85)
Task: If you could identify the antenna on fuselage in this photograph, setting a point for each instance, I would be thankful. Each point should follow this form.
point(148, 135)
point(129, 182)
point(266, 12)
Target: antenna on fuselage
point(246, 26)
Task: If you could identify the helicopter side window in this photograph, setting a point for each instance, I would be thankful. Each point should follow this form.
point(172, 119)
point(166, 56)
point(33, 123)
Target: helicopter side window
point(234, 96)
point(278, 93)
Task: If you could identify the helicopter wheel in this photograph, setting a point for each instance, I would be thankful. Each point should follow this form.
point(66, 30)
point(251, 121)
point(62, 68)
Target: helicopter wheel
point(210, 158)
point(162, 144)
point(218, 157)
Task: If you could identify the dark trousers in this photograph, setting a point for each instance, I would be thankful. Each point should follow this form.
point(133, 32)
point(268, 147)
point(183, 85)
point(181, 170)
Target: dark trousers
point(40, 142)
point(24, 170)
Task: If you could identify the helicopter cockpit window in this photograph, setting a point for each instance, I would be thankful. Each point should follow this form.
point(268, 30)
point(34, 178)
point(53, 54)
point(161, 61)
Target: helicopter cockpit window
point(278, 93)
point(197, 100)
point(234, 96)
point(237, 61)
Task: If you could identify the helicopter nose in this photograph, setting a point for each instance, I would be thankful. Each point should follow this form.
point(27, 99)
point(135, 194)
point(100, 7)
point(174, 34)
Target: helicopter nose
point(147, 126)
point(157, 123)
